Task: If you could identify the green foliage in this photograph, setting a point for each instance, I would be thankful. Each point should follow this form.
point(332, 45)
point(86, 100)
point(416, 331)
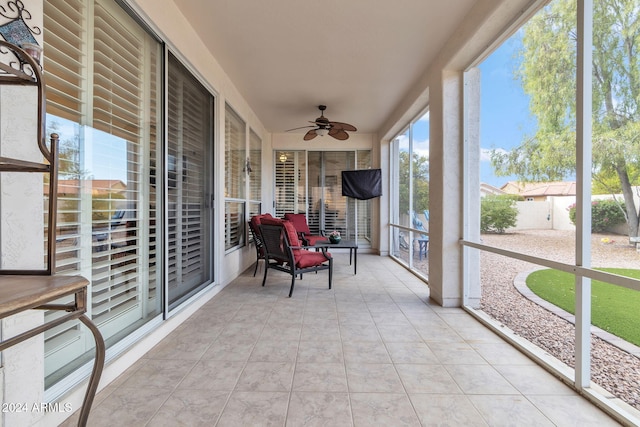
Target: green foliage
point(548, 75)
point(604, 214)
point(497, 213)
point(420, 172)
point(613, 308)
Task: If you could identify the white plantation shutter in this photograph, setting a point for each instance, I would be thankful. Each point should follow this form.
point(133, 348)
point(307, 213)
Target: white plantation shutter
point(190, 120)
point(235, 175)
point(103, 81)
point(64, 45)
point(290, 182)
point(255, 176)
point(363, 207)
point(117, 74)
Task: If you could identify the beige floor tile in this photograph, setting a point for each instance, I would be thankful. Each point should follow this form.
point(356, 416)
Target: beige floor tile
point(326, 377)
point(533, 379)
point(266, 376)
point(312, 317)
point(383, 306)
point(446, 410)
point(374, 377)
point(319, 409)
point(480, 379)
point(383, 409)
point(128, 407)
point(185, 343)
point(320, 352)
point(411, 352)
point(356, 317)
point(190, 408)
point(501, 354)
point(351, 307)
point(230, 348)
point(213, 375)
point(160, 374)
point(365, 352)
point(390, 318)
point(427, 379)
point(438, 334)
point(255, 409)
point(510, 410)
point(323, 330)
point(281, 331)
point(398, 333)
point(246, 330)
point(456, 353)
point(267, 350)
point(571, 411)
point(355, 332)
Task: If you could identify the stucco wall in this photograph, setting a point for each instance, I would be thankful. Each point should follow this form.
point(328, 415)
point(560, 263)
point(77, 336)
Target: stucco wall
point(21, 242)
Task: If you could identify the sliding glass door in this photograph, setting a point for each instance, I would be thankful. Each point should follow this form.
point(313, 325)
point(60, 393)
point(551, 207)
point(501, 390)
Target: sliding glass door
point(311, 183)
point(189, 160)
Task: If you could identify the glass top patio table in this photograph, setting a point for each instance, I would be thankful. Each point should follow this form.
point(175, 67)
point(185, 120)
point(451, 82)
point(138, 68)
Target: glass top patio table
point(352, 245)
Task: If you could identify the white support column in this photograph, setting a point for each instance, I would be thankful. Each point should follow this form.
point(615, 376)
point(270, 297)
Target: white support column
point(583, 198)
point(445, 252)
point(471, 187)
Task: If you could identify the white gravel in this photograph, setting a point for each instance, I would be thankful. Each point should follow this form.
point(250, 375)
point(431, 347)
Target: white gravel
point(612, 368)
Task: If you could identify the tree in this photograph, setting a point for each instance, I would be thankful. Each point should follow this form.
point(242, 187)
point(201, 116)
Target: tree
point(420, 169)
point(548, 76)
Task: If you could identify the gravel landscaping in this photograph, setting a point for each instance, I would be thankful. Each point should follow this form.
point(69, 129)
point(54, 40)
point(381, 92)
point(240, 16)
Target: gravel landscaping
point(612, 368)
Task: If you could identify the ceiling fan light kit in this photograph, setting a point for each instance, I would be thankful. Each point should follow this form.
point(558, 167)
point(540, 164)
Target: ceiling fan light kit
point(323, 126)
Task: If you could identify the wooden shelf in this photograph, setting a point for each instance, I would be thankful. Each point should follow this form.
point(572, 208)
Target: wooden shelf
point(19, 293)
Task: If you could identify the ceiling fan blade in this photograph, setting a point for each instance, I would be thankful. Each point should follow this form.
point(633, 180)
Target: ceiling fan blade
point(310, 135)
point(339, 134)
point(344, 126)
point(301, 127)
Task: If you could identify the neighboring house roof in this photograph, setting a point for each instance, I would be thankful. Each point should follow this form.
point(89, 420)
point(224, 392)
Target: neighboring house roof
point(540, 189)
point(96, 186)
point(489, 189)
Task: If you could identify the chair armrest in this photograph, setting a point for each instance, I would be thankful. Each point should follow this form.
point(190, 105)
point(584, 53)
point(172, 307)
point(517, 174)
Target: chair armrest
point(302, 238)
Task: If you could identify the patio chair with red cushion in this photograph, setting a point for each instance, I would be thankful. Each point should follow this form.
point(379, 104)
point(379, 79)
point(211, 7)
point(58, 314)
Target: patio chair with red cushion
point(254, 227)
point(299, 222)
point(283, 252)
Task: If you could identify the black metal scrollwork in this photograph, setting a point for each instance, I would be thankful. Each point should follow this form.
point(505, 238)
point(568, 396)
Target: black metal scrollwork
point(14, 10)
point(17, 32)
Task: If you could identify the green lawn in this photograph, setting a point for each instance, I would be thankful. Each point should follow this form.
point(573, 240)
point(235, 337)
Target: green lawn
point(613, 308)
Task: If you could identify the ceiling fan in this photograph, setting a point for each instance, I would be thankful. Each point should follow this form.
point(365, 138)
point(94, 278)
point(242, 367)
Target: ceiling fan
point(323, 126)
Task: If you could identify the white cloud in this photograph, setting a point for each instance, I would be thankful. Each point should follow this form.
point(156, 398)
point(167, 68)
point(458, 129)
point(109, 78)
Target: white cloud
point(421, 148)
point(485, 153)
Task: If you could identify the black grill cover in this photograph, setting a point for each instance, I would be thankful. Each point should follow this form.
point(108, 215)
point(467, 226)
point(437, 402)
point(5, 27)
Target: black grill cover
point(362, 184)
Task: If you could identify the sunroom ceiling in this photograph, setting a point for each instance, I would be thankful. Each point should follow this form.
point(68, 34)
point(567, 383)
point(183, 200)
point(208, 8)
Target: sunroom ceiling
point(358, 57)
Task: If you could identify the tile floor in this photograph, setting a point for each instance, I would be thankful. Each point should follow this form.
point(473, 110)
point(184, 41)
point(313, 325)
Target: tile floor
point(373, 351)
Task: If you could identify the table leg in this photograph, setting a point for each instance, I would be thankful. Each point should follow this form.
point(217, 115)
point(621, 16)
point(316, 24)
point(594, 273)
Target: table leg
point(355, 261)
point(98, 365)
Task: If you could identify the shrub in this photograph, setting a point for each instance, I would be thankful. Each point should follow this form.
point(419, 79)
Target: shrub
point(604, 214)
point(497, 213)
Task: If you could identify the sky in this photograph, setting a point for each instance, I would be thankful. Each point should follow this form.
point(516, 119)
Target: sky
point(504, 109)
point(504, 116)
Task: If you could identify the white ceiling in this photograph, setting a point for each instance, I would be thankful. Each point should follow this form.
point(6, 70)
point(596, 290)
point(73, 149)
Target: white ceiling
point(357, 57)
